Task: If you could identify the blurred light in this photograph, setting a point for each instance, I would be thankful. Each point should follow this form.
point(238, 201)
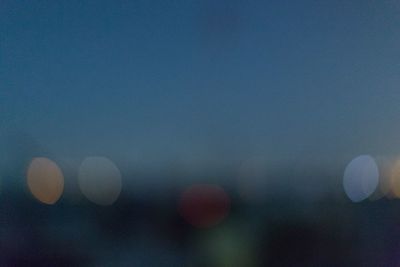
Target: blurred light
point(45, 180)
point(252, 179)
point(395, 179)
point(361, 178)
point(385, 165)
point(204, 205)
point(229, 245)
point(100, 180)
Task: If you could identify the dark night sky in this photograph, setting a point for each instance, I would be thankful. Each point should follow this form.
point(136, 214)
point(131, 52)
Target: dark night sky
point(158, 79)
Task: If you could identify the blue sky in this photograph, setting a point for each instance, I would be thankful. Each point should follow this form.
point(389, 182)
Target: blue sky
point(162, 79)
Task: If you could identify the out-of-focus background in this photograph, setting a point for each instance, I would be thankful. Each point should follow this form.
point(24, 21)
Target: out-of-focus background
point(199, 133)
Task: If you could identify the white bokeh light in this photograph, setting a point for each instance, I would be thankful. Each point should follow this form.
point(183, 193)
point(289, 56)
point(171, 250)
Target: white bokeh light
point(361, 178)
point(100, 180)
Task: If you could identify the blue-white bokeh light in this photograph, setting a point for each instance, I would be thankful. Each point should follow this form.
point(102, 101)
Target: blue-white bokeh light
point(361, 178)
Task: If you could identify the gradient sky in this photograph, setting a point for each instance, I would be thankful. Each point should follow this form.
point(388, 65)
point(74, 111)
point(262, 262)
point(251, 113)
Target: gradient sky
point(164, 79)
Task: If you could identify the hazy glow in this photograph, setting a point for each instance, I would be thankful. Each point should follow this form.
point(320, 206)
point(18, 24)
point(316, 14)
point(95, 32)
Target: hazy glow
point(45, 180)
point(361, 178)
point(395, 179)
point(385, 175)
point(100, 180)
point(204, 205)
point(229, 245)
point(252, 179)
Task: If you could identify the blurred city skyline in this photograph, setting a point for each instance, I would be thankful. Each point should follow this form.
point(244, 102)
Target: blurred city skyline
point(199, 133)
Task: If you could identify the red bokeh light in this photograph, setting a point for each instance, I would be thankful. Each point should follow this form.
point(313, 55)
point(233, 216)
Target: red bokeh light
point(204, 205)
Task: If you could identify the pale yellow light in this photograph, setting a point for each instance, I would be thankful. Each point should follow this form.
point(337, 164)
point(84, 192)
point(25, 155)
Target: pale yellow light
point(395, 179)
point(45, 180)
